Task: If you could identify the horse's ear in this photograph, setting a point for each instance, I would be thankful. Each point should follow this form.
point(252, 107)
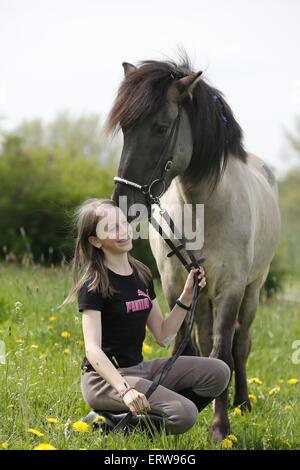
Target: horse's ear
point(185, 86)
point(128, 68)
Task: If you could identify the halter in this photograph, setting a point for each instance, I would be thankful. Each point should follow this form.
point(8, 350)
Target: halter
point(147, 189)
point(154, 199)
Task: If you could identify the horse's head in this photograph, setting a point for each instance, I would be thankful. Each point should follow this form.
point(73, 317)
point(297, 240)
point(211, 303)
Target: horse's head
point(151, 108)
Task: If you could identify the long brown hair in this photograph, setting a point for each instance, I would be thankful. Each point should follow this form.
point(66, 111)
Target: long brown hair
point(87, 262)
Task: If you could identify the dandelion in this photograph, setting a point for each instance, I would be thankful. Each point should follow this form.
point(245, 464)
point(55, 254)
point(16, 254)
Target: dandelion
point(232, 437)
point(82, 448)
point(65, 334)
point(52, 318)
point(67, 350)
point(44, 446)
point(237, 411)
point(147, 348)
point(34, 346)
point(255, 380)
point(274, 390)
point(252, 397)
point(80, 426)
point(35, 432)
point(227, 443)
point(52, 420)
point(288, 408)
point(99, 419)
point(281, 381)
point(293, 381)
point(4, 445)
point(80, 342)
point(41, 356)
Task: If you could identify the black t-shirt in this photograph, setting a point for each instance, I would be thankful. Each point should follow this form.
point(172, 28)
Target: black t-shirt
point(123, 317)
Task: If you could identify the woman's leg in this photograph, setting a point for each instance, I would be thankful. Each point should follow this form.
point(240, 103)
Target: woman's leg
point(179, 413)
point(207, 377)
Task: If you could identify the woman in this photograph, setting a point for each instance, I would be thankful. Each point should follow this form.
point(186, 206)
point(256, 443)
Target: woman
point(117, 299)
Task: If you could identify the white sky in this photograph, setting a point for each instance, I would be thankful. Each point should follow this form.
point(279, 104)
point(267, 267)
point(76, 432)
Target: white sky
point(59, 55)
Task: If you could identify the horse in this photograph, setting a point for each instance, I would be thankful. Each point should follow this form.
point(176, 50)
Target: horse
point(209, 166)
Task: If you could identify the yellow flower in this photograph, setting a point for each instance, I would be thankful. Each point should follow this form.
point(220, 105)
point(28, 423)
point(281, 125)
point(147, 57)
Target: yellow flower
point(281, 381)
point(99, 419)
point(34, 346)
point(82, 448)
point(67, 350)
point(293, 381)
point(274, 390)
point(42, 355)
point(4, 445)
point(81, 426)
point(232, 437)
point(237, 411)
point(66, 334)
point(147, 348)
point(255, 380)
point(21, 341)
point(35, 432)
point(288, 408)
point(80, 342)
point(155, 448)
point(52, 318)
point(227, 443)
point(252, 397)
point(52, 420)
point(44, 446)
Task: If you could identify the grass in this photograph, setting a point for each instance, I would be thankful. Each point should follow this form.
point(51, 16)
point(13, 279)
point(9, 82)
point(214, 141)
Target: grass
point(41, 376)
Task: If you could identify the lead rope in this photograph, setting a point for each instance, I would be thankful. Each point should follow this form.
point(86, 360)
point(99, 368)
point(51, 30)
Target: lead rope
point(190, 316)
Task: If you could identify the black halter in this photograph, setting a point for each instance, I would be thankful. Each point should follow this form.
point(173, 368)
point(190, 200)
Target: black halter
point(154, 199)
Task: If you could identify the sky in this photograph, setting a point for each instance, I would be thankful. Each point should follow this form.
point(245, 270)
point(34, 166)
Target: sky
point(66, 55)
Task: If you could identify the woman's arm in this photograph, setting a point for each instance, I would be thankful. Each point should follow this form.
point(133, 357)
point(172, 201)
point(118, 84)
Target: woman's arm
point(165, 329)
point(92, 333)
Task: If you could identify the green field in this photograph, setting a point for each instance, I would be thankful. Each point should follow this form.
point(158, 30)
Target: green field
point(41, 376)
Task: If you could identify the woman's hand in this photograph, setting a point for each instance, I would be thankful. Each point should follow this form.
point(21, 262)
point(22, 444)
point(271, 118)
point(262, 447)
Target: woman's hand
point(136, 402)
point(187, 293)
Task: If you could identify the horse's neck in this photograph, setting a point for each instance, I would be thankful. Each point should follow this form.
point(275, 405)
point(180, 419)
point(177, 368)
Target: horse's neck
point(201, 193)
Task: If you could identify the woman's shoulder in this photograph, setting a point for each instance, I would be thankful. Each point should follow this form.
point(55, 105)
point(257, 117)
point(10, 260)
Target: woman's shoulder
point(87, 298)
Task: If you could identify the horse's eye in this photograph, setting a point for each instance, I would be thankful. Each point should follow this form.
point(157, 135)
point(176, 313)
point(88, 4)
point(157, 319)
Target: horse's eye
point(161, 130)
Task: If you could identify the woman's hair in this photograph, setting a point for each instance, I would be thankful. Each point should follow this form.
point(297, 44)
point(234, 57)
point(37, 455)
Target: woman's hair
point(87, 262)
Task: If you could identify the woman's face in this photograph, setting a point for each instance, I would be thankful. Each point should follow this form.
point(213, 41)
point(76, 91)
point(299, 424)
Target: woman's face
point(113, 231)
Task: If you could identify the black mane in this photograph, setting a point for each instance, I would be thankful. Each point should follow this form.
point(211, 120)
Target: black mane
point(216, 133)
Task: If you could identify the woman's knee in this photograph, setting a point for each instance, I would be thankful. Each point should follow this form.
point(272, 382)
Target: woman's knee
point(222, 374)
point(181, 416)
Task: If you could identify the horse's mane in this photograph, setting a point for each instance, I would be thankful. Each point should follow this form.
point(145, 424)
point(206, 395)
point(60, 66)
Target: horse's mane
point(216, 133)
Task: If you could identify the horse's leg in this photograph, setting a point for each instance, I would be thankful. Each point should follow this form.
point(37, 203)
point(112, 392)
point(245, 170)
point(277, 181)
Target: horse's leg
point(190, 349)
point(226, 310)
point(242, 341)
point(204, 326)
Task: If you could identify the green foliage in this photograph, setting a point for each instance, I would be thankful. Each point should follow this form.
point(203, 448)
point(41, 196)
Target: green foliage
point(42, 181)
point(277, 274)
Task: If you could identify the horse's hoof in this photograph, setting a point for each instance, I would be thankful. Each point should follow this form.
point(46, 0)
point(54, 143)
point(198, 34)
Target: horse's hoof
point(219, 431)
